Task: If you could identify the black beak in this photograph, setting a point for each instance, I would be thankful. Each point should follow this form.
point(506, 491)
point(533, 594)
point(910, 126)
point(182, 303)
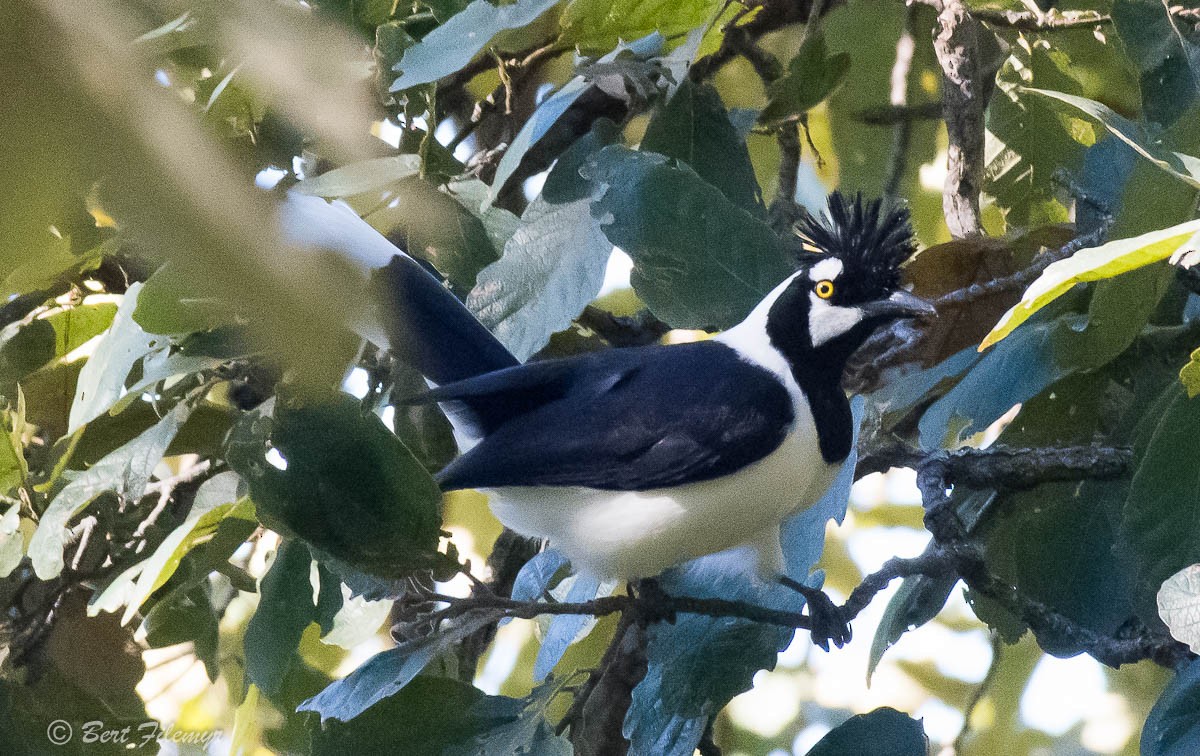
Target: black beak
point(900, 304)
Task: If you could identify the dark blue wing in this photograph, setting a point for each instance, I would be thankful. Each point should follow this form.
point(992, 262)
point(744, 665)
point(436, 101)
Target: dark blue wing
point(623, 419)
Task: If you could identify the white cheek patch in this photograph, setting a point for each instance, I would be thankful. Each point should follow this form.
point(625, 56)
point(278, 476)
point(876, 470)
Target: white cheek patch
point(826, 321)
point(826, 270)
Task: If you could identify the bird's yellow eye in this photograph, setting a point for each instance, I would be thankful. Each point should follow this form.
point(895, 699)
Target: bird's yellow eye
point(824, 289)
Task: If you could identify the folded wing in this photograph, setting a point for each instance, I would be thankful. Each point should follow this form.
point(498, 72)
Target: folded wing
point(631, 419)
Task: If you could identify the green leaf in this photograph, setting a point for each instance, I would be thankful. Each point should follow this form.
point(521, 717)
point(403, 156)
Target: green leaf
point(387, 672)
point(14, 470)
point(475, 196)
point(285, 609)
point(186, 616)
point(350, 488)
point(551, 268)
point(554, 107)
point(102, 380)
point(1169, 83)
point(1093, 264)
point(43, 339)
point(430, 225)
point(357, 621)
point(452, 45)
point(882, 732)
point(57, 259)
point(1158, 527)
point(1189, 375)
point(168, 304)
point(1173, 726)
point(812, 76)
point(126, 471)
point(699, 260)
point(215, 500)
point(601, 24)
point(1186, 168)
point(429, 717)
point(13, 533)
point(918, 600)
point(694, 127)
point(529, 733)
point(1179, 605)
point(443, 9)
point(364, 176)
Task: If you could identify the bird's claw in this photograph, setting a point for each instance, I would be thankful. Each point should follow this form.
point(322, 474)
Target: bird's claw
point(828, 621)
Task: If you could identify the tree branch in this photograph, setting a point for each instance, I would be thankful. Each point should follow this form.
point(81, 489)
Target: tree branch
point(772, 15)
point(964, 99)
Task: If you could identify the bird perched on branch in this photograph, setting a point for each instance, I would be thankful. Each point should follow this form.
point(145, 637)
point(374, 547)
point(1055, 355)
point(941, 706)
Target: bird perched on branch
point(631, 461)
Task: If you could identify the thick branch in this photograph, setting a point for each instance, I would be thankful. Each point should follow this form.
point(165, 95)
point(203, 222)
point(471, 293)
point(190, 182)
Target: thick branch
point(957, 47)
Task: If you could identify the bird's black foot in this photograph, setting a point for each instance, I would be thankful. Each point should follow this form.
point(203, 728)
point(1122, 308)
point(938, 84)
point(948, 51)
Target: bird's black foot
point(828, 621)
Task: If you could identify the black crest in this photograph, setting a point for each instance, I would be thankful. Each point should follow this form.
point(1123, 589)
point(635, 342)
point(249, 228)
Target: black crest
point(870, 240)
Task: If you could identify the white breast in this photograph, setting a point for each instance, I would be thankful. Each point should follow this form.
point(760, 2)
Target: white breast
point(632, 534)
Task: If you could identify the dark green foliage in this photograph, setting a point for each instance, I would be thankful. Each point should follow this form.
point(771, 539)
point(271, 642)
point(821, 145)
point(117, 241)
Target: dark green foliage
point(350, 488)
point(883, 732)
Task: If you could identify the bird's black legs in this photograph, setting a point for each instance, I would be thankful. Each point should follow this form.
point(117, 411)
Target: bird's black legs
point(828, 621)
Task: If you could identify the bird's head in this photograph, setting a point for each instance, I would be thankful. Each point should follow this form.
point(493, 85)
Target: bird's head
point(848, 284)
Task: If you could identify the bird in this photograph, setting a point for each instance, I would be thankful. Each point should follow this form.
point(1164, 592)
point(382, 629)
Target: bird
point(633, 460)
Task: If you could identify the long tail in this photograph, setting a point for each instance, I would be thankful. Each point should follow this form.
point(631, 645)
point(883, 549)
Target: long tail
point(429, 329)
point(412, 313)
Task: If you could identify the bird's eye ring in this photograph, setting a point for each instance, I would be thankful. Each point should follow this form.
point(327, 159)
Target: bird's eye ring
point(824, 289)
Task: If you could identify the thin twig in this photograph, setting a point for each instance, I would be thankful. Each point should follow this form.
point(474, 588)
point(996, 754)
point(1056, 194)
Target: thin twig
point(980, 691)
point(902, 131)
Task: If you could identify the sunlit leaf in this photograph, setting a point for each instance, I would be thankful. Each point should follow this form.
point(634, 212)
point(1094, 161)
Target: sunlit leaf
point(600, 24)
point(1093, 264)
point(14, 470)
point(102, 380)
point(1189, 374)
point(364, 176)
point(811, 76)
point(12, 539)
point(1179, 606)
point(1186, 168)
point(452, 45)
